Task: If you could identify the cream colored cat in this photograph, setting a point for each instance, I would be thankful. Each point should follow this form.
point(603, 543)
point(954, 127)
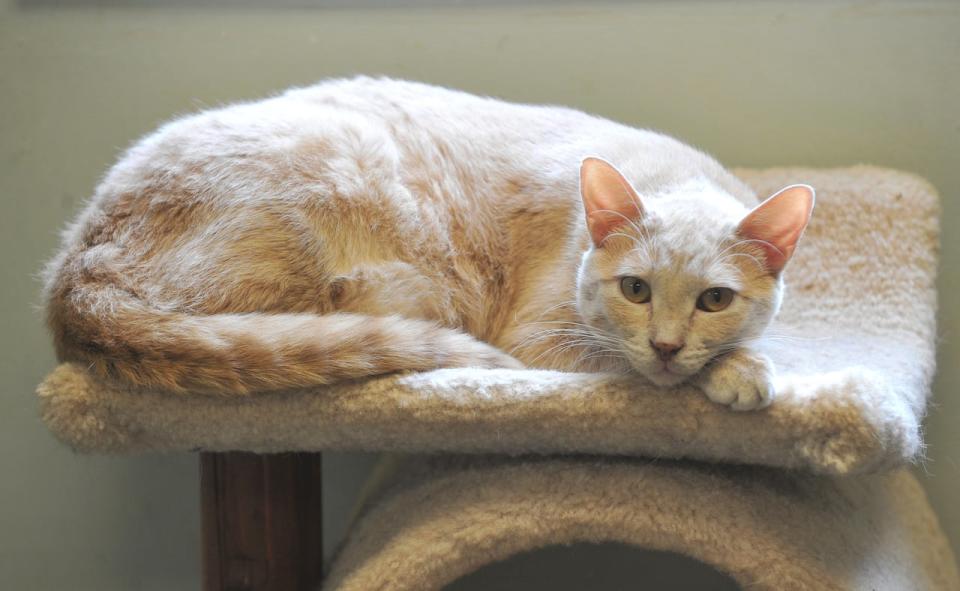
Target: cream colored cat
point(365, 226)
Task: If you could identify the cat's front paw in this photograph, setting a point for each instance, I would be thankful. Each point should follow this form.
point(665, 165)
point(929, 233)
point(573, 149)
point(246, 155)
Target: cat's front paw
point(741, 380)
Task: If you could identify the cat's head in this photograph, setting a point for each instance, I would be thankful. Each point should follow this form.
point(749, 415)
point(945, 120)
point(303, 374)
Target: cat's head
point(672, 282)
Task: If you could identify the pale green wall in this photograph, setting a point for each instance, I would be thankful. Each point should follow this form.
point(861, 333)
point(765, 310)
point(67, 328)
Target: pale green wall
point(756, 84)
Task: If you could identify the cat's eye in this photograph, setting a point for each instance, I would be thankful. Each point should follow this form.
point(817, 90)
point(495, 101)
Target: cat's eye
point(635, 289)
point(715, 299)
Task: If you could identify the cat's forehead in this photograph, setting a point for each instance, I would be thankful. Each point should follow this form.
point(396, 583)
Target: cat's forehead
point(689, 260)
point(693, 221)
point(680, 248)
point(698, 203)
point(687, 236)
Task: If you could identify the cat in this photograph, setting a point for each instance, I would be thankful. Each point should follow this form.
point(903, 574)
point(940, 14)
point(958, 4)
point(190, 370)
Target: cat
point(368, 225)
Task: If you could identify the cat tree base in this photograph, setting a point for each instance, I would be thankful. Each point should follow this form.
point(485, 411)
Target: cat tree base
point(435, 519)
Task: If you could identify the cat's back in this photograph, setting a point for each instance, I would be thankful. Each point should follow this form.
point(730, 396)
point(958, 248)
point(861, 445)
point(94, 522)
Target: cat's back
point(384, 145)
point(366, 126)
point(542, 140)
point(439, 128)
point(359, 126)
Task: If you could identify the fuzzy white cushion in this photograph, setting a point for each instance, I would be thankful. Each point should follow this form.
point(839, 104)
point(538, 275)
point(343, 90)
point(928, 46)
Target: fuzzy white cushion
point(853, 347)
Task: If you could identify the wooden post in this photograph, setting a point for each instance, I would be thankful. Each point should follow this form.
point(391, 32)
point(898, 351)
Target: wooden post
point(262, 521)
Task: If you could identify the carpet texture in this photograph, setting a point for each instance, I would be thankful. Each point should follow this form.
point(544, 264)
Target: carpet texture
point(437, 519)
point(853, 347)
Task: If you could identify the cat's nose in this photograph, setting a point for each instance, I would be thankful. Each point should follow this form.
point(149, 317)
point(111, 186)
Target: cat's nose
point(666, 351)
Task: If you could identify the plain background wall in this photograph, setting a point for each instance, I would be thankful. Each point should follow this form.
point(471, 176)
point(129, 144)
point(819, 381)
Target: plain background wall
point(758, 84)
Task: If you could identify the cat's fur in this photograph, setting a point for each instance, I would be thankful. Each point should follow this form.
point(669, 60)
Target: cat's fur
point(365, 226)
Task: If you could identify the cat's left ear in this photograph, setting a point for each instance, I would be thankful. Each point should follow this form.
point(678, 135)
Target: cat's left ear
point(778, 223)
point(608, 199)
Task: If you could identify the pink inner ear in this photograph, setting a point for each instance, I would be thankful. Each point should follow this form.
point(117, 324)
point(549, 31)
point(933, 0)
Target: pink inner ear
point(778, 223)
point(608, 199)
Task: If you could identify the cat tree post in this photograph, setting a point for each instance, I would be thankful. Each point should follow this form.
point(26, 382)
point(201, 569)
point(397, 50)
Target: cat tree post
point(262, 521)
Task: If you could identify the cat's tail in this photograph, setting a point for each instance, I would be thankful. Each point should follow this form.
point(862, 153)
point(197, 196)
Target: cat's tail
point(119, 336)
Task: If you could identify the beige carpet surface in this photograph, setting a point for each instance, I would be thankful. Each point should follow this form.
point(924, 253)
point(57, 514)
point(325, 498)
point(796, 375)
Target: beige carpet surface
point(853, 347)
point(437, 519)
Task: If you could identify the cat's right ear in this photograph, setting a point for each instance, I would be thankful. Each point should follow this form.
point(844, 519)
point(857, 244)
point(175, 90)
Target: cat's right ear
point(608, 199)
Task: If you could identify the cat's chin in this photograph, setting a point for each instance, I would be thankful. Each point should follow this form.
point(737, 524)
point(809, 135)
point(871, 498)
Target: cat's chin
point(664, 378)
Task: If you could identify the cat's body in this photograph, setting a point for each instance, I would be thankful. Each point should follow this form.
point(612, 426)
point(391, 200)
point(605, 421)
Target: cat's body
point(325, 233)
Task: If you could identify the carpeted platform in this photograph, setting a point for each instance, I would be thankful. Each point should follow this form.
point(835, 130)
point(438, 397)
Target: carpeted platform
point(853, 347)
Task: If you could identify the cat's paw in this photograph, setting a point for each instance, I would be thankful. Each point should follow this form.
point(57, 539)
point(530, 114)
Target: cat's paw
point(741, 380)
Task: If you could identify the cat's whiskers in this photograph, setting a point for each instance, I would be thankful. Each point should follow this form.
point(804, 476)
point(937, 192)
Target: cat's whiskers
point(576, 338)
point(643, 237)
point(553, 308)
point(599, 354)
point(592, 329)
point(780, 338)
point(724, 258)
point(724, 254)
point(642, 245)
point(737, 243)
point(637, 227)
point(587, 342)
point(569, 340)
point(572, 334)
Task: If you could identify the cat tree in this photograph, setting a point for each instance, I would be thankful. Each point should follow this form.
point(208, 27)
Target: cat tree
point(814, 492)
